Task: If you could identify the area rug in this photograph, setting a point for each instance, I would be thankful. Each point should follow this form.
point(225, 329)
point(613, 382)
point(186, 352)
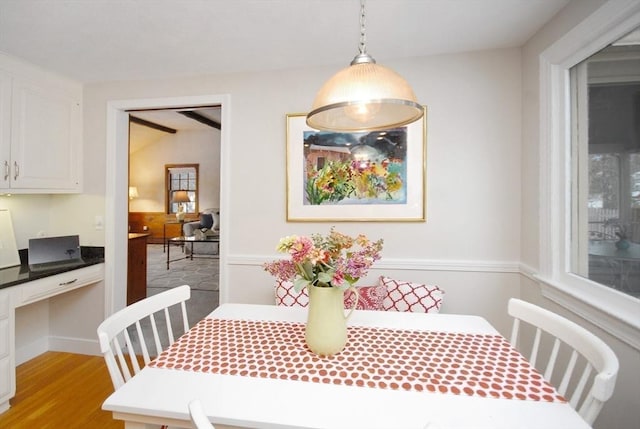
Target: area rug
point(201, 274)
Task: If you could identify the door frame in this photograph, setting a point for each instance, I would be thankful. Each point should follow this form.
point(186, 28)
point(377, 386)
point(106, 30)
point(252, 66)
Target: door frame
point(117, 182)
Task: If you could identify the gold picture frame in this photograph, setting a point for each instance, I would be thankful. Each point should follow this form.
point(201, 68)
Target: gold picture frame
point(377, 176)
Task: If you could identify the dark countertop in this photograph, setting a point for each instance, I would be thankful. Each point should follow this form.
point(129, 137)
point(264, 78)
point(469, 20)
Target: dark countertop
point(20, 274)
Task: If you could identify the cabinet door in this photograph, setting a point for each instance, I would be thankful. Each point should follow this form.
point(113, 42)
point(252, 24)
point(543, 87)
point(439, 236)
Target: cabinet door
point(45, 138)
point(5, 130)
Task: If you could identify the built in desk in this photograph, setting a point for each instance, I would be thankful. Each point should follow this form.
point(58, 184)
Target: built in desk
point(20, 287)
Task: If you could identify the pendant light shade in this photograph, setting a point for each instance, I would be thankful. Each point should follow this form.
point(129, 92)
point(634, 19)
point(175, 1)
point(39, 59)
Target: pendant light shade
point(364, 97)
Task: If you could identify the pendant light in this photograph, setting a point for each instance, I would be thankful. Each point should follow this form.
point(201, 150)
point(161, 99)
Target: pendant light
point(364, 96)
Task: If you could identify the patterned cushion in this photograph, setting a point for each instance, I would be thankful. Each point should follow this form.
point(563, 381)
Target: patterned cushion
point(414, 297)
point(370, 297)
point(286, 295)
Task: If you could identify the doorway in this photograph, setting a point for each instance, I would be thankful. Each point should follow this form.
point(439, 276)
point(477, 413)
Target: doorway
point(117, 183)
point(174, 169)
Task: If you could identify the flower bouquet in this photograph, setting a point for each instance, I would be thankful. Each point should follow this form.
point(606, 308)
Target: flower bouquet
point(326, 266)
point(336, 260)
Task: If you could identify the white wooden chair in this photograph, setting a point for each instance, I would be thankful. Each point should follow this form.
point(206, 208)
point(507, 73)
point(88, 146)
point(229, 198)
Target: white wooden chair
point(198, 417)
point(115, 337)
point(578, 345)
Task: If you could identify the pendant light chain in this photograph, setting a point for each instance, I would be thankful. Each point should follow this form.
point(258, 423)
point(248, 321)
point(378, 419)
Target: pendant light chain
point(363, 36)
point(364, 96)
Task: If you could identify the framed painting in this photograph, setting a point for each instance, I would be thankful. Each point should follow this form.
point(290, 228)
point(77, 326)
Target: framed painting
point(356, 177)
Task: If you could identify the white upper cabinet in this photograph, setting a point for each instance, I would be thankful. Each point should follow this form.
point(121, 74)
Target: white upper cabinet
point(40, 134)
point(5, 129)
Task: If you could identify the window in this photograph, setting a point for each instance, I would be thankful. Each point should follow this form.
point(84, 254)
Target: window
point(181, 188)
point(605, 152)
point(564, 174)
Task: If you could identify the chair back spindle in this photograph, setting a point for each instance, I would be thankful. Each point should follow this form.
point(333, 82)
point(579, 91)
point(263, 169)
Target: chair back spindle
point(121, 352)
point(586, 392)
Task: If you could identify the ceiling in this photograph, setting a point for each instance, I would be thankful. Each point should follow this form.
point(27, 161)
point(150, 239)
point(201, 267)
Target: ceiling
point(141, 136)
point(105, 40)
point(109, 40)
point(173, 119)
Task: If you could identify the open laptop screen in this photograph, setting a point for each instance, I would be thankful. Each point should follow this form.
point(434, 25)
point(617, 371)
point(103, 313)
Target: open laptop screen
point(54, 252)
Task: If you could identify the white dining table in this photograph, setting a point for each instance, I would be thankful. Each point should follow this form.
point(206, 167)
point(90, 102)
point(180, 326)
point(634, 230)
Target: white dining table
point(238, 391)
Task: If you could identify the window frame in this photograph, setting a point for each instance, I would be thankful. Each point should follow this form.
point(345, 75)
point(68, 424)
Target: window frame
point(612, 310)
point(168, 190)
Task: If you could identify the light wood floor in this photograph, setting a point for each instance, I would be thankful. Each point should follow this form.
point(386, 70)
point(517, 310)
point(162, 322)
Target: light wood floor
point(61, 391)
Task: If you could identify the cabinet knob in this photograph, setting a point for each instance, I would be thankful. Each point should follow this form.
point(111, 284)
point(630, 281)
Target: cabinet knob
point(6, 170)
point(16, 170)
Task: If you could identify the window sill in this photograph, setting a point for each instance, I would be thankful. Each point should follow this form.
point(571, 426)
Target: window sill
point(613, 311)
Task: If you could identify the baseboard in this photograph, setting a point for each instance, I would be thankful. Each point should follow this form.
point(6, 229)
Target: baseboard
point(31, 350)
point(57, 344)
point(74, 345)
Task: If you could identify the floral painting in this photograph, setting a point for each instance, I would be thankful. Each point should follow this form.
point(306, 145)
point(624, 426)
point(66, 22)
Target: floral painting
point(363, 176)
point(355, 168)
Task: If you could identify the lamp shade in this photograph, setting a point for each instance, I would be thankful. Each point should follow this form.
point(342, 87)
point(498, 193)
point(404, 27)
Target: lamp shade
point(181, 197)
point(364, 97)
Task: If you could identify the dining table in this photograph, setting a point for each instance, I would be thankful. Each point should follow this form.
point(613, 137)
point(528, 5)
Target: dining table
point(249, 366)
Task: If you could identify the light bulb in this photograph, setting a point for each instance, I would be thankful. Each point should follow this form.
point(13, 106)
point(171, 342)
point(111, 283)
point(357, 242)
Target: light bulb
point(362, 112)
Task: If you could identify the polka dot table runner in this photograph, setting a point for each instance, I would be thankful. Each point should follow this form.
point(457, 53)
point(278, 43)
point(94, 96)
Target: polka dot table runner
point(454, 363)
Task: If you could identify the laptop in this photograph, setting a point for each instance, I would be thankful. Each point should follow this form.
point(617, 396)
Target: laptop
point(54, 252)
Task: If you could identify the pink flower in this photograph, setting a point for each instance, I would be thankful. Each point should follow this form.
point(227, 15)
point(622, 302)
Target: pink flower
point(300, 249)
point(337, 279)
point(335, 260)
point(281, 269)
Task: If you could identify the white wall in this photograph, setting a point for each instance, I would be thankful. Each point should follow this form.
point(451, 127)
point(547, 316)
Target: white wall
point(473, 178)
point(469, 244)
point(185, 147)
point(30, 215)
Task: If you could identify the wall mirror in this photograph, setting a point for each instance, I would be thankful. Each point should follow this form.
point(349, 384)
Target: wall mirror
point(605, 164)
point(181, 185)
